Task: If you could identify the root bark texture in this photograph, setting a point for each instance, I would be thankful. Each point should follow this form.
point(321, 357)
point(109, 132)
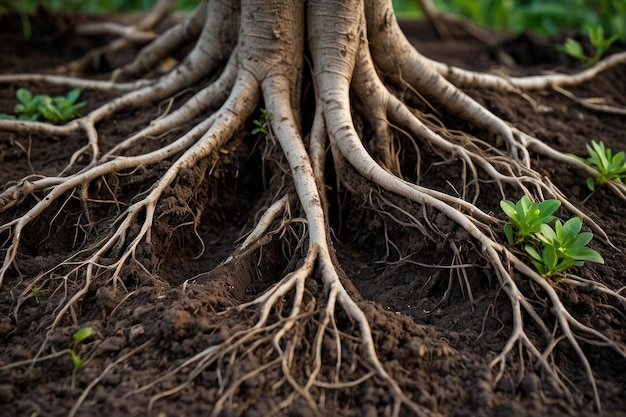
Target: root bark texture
point(252, 53)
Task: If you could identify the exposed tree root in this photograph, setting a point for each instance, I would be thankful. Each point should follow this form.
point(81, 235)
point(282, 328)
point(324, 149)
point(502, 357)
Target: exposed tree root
point(466, 78)
point(140, 34)
point(266, 61)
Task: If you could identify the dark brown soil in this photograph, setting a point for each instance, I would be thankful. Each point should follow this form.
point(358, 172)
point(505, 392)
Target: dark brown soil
point(438, 352)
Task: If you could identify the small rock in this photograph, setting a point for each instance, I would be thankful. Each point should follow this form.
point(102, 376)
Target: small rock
point(112, 343)
point(530, 384)
point(6, 326)
point(141, 311)
point(7, 393)
point(135, 332)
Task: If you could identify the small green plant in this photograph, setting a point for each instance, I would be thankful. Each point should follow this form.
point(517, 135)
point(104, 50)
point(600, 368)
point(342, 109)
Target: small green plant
point(562, 247)
point(601, 44)
point(526, 217)
point(28, 106)
point(79, 336)
point(78, 362)
point(611, 167)
point(552, 250)
point(263, 124)
point(59, 109)
point(36, 291)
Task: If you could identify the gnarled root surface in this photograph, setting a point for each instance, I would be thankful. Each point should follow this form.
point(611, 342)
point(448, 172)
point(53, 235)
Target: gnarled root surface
point(366, 127)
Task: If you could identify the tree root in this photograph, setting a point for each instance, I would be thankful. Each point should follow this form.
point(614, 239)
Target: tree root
point(265, 61)
point(141, 33)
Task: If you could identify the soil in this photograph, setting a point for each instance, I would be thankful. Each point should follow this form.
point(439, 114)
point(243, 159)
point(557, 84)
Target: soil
point(149, 323)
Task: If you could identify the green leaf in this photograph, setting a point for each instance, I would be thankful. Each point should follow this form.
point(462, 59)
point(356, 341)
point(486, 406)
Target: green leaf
point(580, 240)
point(24, 96)
point(565, 264)
point(558, 229)
point(39, 98)
point(602, 154)
point(76, 360)
point(533, 252)
point(508, 232)
point(591, 184)
point(546, 234)
point(50, 112)
point(83, 334)
point(618, 158)
point(549, 257)
point(601, 44)
point(523, 206)
point(574, 49)
point(73, 95)
point(32, 117)
point(571, 227)
point(508, 208)
point(266, 113)
point(585, 254)
point(78, 106)
point(60, 101)
point(548, 207)
point(43, 101)
point(541, 268)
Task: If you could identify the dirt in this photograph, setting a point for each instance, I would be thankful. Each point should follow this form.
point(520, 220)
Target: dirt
point(148, 323)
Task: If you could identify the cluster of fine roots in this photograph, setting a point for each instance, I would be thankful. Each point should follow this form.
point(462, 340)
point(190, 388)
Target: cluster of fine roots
point(251, 54)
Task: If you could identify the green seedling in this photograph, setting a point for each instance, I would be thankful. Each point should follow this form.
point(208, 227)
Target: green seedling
point(59, 109)
point(552, 250)
point(28, 106)
point(562, 247)
point(611, 167)
point(80, 336)
point(263, 124)
point(78, 362)
point(36, 291)
point(601, 44)
point(526, 217)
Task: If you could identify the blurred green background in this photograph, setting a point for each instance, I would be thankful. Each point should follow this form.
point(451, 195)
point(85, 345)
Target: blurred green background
point(544, 17)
